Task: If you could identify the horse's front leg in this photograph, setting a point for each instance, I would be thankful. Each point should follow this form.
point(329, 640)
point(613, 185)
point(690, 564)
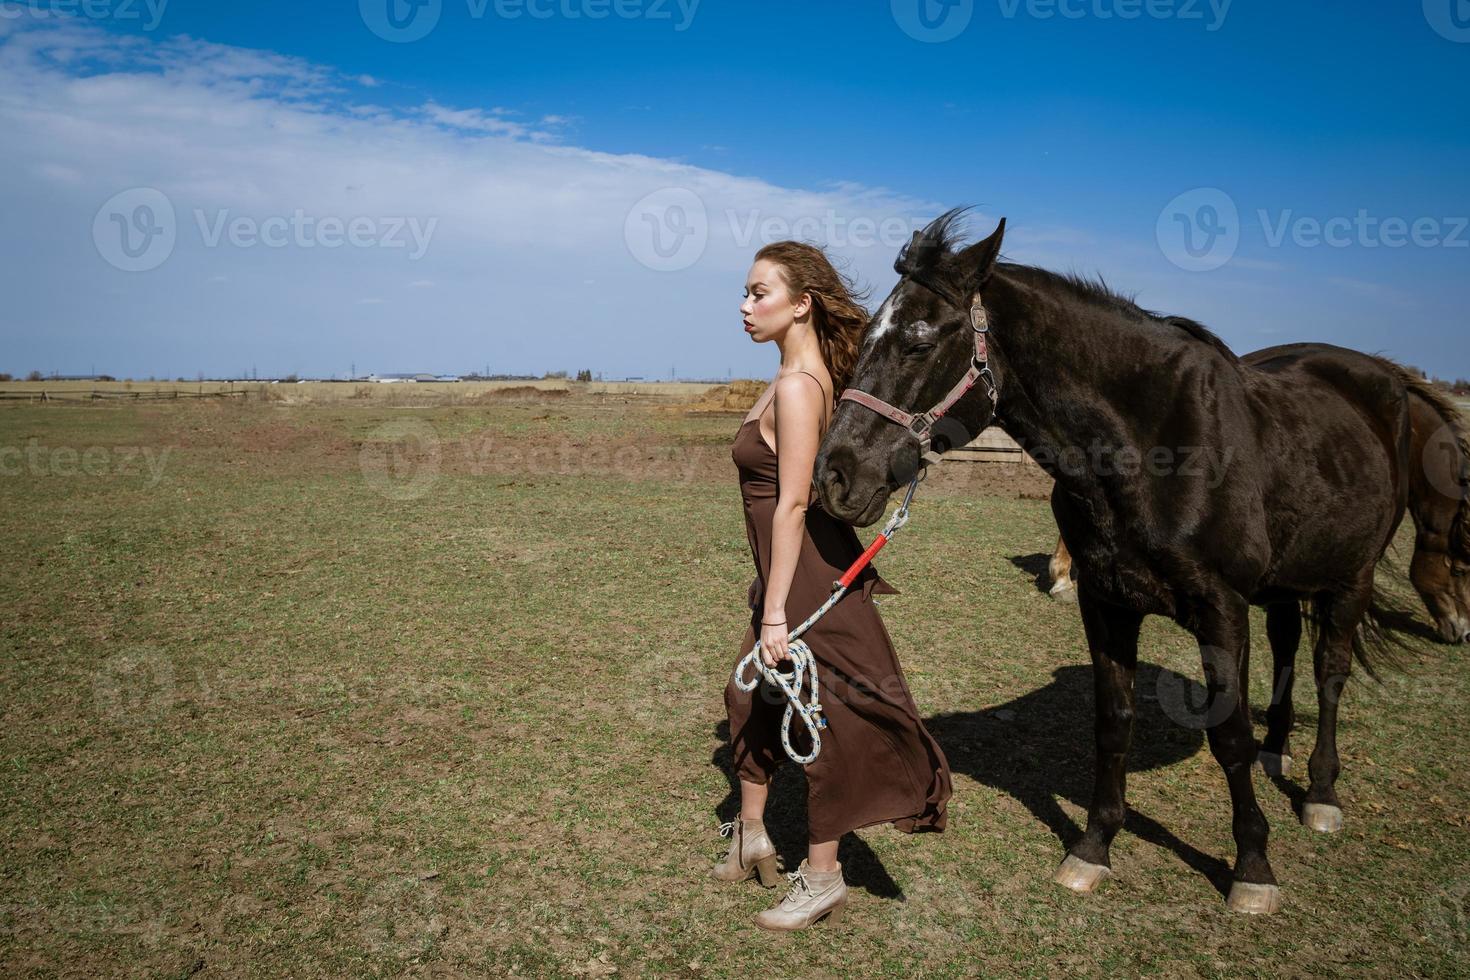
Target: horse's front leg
point(1112, 640)
point(1224, 637)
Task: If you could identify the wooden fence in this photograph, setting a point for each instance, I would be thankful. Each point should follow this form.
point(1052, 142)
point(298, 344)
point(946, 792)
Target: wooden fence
point(93, 395)
point(991, 446)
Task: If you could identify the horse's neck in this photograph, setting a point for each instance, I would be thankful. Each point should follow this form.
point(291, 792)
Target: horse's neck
point(1054, 382)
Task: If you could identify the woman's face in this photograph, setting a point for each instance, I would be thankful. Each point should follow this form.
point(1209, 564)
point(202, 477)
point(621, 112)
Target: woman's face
point(769, 309)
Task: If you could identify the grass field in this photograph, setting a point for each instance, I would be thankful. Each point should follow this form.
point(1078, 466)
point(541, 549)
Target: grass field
point(348, 689)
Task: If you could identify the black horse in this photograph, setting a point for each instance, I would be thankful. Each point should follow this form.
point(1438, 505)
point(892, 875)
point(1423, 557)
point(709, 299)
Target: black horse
point(1188, 485)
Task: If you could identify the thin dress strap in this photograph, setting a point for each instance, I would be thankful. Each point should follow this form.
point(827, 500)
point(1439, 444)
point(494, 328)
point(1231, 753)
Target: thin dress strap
point(819, 385)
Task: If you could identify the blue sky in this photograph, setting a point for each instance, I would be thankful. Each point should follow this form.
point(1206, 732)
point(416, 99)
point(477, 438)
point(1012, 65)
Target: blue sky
point(539, 188)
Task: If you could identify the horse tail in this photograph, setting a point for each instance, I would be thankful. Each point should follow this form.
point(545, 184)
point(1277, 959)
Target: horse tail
point(1454, 420)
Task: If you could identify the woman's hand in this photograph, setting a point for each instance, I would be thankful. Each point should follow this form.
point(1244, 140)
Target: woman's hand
point(774, 647)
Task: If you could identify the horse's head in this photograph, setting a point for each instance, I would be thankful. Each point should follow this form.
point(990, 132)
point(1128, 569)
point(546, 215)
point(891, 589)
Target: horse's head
point(1443, 583)
point(916, 350)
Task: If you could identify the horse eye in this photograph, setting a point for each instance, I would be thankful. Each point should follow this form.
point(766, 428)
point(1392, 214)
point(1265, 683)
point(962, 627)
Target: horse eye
point(919, 349)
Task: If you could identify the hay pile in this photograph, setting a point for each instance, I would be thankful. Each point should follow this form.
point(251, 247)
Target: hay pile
point(519, 393)
point(737, 396)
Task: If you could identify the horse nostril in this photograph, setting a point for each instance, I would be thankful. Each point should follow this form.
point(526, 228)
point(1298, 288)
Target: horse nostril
point(836, 485)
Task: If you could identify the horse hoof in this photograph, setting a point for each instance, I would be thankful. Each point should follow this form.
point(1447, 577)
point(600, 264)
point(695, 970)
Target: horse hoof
point(1063, 592)
point(1322, 817)
point(1253, 899)
point(1080, 876)
point(1273, 764)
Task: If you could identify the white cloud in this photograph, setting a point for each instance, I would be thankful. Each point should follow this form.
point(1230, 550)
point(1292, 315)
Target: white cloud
point(524, 225)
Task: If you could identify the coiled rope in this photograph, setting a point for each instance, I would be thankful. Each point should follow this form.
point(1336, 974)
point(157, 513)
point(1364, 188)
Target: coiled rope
point(804, 665)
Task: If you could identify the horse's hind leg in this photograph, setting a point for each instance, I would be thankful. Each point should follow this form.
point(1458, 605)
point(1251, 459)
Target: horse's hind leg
point(1060, 570)
point(1338, 617)
point(1112, 639)
point(1224, 635)
point(1284, 628)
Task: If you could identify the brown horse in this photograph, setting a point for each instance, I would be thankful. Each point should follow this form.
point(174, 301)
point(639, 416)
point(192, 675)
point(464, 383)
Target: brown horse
point(1439, 503)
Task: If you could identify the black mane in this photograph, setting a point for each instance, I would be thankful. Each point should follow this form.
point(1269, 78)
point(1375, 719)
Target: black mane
point(927, 259)
point(1100, 293)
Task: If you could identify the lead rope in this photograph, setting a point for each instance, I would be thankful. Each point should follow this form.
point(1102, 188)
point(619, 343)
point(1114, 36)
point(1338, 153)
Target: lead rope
point(804, 665)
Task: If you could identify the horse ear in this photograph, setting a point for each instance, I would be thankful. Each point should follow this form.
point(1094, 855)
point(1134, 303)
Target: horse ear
point(907, 258)
point(977, 262)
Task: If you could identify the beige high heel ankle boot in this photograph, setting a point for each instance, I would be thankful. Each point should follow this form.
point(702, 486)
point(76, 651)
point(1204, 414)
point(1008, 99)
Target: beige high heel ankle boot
point(814, 895)
point(751, 852)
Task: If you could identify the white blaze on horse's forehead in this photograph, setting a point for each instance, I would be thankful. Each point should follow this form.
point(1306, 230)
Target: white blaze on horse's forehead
point(885, 319)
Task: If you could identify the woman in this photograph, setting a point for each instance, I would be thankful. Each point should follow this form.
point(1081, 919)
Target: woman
point(878, 764)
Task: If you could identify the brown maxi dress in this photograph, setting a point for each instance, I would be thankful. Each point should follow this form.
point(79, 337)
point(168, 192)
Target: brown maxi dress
point(878, 763)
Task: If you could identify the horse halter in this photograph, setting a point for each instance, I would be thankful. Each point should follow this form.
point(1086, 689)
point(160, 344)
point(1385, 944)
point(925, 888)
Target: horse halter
point(921, 424)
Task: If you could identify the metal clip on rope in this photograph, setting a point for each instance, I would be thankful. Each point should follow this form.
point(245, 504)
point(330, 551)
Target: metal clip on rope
point(804, 665)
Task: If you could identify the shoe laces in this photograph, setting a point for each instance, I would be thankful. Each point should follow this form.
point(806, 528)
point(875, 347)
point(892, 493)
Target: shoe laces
point(727, 828)
point(799, 884)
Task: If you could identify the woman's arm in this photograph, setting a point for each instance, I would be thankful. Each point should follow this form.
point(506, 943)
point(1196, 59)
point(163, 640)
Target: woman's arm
point(799, 402)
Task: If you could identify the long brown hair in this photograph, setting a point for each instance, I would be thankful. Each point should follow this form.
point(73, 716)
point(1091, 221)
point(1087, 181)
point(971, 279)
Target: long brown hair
point(838, 314)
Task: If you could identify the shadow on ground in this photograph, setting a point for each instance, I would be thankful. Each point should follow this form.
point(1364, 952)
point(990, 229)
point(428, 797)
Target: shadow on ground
point(1037, 749)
